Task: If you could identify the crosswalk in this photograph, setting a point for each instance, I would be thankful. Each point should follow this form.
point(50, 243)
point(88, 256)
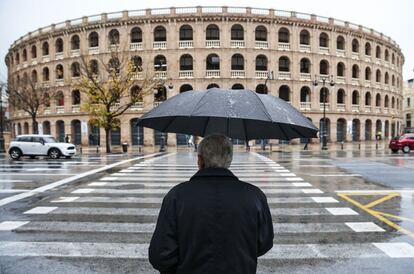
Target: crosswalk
point(118, 212)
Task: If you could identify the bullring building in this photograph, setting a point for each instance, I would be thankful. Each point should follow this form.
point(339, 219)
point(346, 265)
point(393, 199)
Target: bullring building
point(308, 60)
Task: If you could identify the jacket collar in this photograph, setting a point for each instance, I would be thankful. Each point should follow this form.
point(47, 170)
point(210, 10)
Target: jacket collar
point(213, 172)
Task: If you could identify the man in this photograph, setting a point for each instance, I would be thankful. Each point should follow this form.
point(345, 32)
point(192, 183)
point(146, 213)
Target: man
point(213, 223)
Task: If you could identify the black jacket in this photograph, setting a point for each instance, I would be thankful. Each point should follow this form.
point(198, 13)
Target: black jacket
point(212, 224)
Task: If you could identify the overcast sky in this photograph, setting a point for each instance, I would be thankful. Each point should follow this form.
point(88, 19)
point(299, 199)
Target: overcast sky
point(393, 18)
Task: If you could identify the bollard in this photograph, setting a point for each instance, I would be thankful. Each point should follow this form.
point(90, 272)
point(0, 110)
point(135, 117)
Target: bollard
point(97, 149)
point(359, 146)
point(342, 145)
point(271, 149)
point(80, 149)
point(376, 146)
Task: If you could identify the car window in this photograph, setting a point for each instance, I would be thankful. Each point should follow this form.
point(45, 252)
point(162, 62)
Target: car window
point(50, 140)
point(24, 139)
point(37, 139)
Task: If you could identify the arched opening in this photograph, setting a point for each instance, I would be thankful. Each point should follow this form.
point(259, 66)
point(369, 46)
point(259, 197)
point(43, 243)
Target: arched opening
point(237, 32)
point(261, 89)
point(378, 100)
point(213, 85)
point(355, 71)
point(160, 94)
point(284, 93)
point(378, 76)
point(340, 97)
point(261, 63)
point(93, 67)
point(185, 87)
point(135, 94)
point(368, 98)
point(237, 86)
point(304, 37)
point(237, 62)
point(76, 133)
point(324, 67)
point(368, 130)
point(116, 133)
point(136, 35)
point(386, 102)
point(24, 55)
point(75, 42)
point(341, 130)
point(283, 35)
point(186, 62)
point(355, 46)
point(368, 73)
point(75, 69)
point(114, 65)
point(186, 33)
point(325, 128)
point(305, 95)
point(137, 63)
point(160, 63)
point(387, 55)
point(60, 131)
point(26, 128)
point(46, 127)
point(158, 136)
point(355, 97)
point(34, 76)
point(356, 128)
point(113, 37)
point(378, 129)
point(368, 49)
point(213, 62)
point(34, 52)
point(93, 39)
point(340, 69)
point(324, 95)
point(260, 33)
point(60, 99)
point(94, 138)
point(59, 72)
point(19, 129)
point(378, 52)
point(59, 45)
point(386, 78)
point(76, 97)
point(340, 43)
point(305, 65)
point(212, 32)
point(323, 40)
point(387, 129)
point(137, 133)
point(284, 64)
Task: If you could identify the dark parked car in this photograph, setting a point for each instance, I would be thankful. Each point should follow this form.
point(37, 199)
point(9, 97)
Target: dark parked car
point(404, 142)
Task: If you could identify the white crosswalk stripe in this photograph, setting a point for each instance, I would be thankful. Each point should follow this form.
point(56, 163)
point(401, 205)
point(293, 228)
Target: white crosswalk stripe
point(128, 202)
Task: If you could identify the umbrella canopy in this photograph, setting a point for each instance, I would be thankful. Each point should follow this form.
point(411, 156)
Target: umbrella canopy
point(240, 114)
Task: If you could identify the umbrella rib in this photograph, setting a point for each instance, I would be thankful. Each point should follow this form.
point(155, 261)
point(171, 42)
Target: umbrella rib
point(196, 105)
point(245, 130)
point(205, 126)
point(169, 123)
point(264, 108)
point(283, 131)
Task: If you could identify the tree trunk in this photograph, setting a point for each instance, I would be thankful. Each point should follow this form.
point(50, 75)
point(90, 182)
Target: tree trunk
point(34, 124)
point(108, 140)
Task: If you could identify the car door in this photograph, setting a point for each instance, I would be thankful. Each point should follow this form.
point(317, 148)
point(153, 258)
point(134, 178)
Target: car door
point(37, 146)
point(25, 144)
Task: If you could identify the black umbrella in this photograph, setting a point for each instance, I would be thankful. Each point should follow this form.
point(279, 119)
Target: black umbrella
point(240, 114)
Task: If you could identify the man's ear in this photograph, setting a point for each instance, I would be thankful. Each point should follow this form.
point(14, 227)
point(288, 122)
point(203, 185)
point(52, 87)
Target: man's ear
point(200, 162)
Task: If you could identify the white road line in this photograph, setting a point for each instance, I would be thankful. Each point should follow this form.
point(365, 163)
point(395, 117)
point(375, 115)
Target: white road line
point(10, 225)
point(140, 251)
point(364, 227)
point(41, 210)
point(37, 174)
point(379, 191)
point(151, 184)
point(185, 176)
point(396, 250)
point(281, 228)
point(71, 179)
point(164, 191)
point(341, 211)
point(13, 191)
point(183, 179)
point(157, 200)
point(14, 181)
point(301, 184)
point(336, 175)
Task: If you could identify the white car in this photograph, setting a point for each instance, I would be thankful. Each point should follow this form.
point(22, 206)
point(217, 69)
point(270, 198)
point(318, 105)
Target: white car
point(39, 145)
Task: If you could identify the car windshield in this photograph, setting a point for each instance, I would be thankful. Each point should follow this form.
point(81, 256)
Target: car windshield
point(50, 140)
point(402, 137)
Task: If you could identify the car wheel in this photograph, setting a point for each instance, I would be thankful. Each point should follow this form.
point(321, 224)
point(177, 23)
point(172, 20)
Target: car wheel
point(15, 153)
point(54, 153)
point(406, 149)
point(394, 150)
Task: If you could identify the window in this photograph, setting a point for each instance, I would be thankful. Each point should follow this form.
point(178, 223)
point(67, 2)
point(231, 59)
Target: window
point(17, 58)
point(324, 95)
point(284, 64)
point(76, 97)
point(59, 72)
point(368, 73)
point(237, 86)
point(378, 76)
point(185, 87)
point(237, 32)
point(378, 52)
point(387, 55)
point(160, 63)
point(60, 99)
point(355, 46)
point(261, 89)
point(355, 71)
point(340, 69)
point(378, 100)
point(284, 93)
point(93, 67)
point(213, 85)
point(136, 35)
point(368, 99)
point(261, 33)
point(45, 49)
point(305, 65)
point(113, 37)
point(45, 74)
point(75, 68)
point(324, 67)
point(93, 40)
point(304, 38)
point(323, 40)
point(261, 63)
point(137, 63)
point(24, 55)
point(305, 94)
point(237, 62)
point(186, 33)
point(213, 62)
point(368, 49)
point(340, 97)
point(24, 139)
point(355, 97)
point(186, 62)
point(160, 34)
point(59, 45)
point(34, 76)
point(408, 102)
point(114, 65)
point(75, 42)
point(283, 35)
point(212, 32)
point(386, 78)
point(340, 43)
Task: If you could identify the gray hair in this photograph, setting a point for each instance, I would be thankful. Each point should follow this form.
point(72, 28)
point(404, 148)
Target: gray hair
point(216, 151)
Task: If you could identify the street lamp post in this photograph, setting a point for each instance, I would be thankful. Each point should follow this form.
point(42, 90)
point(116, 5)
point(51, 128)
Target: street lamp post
point(324, 95)
point(269, 77)
point(1, 121)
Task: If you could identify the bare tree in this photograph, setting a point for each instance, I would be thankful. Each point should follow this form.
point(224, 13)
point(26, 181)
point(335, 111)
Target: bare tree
point(108, 90)
point(29, 95)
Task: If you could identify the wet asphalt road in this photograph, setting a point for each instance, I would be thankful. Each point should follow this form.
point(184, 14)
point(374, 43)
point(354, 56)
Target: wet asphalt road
point(103, 223)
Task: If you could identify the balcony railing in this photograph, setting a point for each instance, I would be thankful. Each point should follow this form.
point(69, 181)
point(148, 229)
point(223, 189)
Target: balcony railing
point(305, 105)
point(157, 103)
point(59, 55)
point(367, 58)
point(368, 109)
point(60, 109)
point(340, 52)
point(186, 74)
point(326, 106)
point(159, 45)
point(355, 81)
point(261, 44)
point(34, 62)
point(355, 55)
point(355, 108)
point(59, 81)
point(340, 107)
point(212, 43)
point(386, 110)
point(324, 50)
point(93, 50)
point(137, 75)
point(367, 83)
point(237, 74)
point(284, 75)
point(305, 48)
point(75, 108)
point(135, 46)
point(45, 58)
point(161, 74)
point(340, 79)
point(46, 110)
point(213, 73)
point(305, 76)
point(185, 44)
point(137, 106)
point(283, 46)
point(377, 109)
point(46, 84)
point(261, 74)
point(75, 53)
point(237, 44)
